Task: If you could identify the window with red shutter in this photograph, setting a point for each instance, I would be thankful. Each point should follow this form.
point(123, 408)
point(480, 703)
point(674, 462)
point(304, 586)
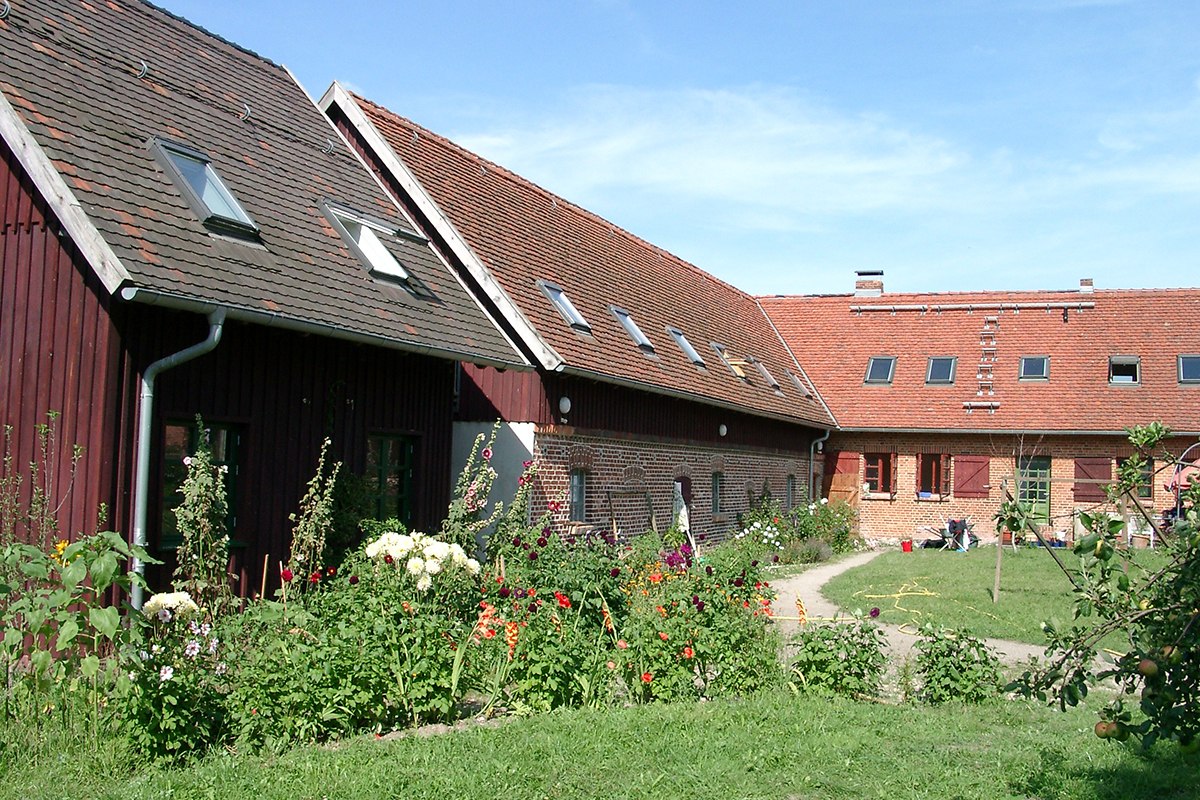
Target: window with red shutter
point(1091, 476)
point(933, 474)
point(971, 476)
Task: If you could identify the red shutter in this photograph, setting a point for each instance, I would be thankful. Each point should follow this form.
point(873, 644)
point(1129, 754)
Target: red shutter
point(945, 470)
point(1087, 471)
point(971, 476)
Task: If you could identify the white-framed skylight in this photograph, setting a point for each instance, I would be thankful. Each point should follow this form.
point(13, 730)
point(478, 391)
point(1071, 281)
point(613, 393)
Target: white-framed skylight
point(1034, 368)
point(640, 339)
point(203, 189)
point(798, 383)
point(880, 369)
point(1125, 370)
point(686, 346)
point(765, 373)
point(736, 365)
point(364, 237)
point(563, 305)
point(940, 369)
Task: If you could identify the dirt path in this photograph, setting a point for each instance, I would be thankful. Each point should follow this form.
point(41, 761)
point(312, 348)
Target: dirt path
point(807, 586)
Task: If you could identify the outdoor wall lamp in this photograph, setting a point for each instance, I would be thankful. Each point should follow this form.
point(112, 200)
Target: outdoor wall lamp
point(722, 430)
point(564, 405)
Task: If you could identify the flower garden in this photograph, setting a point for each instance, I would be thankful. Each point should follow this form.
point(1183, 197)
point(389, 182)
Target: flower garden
point(406, 628)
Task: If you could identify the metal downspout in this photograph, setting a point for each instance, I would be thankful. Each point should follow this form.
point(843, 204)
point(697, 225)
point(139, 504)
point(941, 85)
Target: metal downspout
point(812, 469)
point(216, 324)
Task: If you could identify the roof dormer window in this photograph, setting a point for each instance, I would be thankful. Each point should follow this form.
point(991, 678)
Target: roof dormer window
point(686, 346)
point(1126, 370)
point(765, 373)
point(736, 365)
point(202, 188)
point(369, 240)
point(640, 339)
point(799, 384)
point(880, 369)
point(563, 305)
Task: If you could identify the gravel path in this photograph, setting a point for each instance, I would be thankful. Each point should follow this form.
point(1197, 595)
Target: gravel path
point(807, 586)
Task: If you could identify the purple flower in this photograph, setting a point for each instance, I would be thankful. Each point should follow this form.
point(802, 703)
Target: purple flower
point(516, 541)
point(533, 606)
point(738, 582)
point(543, 541)
point(874, 613)
point(754, 563)
point(533, 555)
point(487, 454)
point(695, 599)
point(353, 579)
point(614, 572)
point(774, 559)
point(708, 570)
point(700, 606)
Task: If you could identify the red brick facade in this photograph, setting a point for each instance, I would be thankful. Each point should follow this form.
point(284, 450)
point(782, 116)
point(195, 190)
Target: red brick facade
point(621, 473)
point(901, 513)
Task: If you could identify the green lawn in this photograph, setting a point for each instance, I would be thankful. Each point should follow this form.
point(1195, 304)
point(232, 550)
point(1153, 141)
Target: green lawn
point(774, 746)
point(955, 589)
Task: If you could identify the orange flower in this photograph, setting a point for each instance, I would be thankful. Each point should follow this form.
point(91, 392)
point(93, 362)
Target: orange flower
point(511, 632)
point(655, 577)
point(622, 644)
point(406, 606)
point(664, 635)
point(647, 677)
point(662, 611)
point(608, 623)
point(688, 652)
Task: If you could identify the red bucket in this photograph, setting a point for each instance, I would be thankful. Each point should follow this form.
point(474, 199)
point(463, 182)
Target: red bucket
point(906, 545)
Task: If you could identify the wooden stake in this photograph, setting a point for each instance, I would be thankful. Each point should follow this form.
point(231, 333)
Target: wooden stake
point(262, 591)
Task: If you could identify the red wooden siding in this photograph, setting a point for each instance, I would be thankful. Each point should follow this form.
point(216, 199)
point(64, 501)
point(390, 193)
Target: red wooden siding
point(1089, 470)
point(58, 352)
point(286, 392)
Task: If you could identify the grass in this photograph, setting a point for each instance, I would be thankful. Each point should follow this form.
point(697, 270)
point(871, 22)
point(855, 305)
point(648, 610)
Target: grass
point(772, 746)
point(955, 590)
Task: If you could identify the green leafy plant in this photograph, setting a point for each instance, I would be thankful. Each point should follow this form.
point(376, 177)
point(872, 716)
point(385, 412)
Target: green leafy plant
point(314, 521)
point(953, 666)
point(202, 568)
point(468, 516)
point(843, 658)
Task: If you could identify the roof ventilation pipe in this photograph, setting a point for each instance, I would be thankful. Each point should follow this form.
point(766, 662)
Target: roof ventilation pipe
point(216, 324)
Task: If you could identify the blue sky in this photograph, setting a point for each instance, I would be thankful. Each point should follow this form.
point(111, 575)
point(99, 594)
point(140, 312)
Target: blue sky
point(955, 145)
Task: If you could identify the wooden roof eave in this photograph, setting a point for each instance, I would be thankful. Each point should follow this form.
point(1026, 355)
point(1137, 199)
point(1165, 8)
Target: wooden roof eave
point(62, 201)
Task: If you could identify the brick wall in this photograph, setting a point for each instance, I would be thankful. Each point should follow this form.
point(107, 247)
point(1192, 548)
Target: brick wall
point(902, 513)
point(629, 470)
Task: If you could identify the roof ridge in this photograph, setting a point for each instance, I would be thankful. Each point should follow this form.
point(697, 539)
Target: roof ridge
point(888, 297)
point(207, 32)
point(557, 199)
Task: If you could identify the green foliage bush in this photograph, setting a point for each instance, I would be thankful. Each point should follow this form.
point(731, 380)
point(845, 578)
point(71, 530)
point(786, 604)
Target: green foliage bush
point(845, 658)
point(953, 666)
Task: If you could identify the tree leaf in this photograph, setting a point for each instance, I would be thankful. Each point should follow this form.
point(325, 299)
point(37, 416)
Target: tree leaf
point(105, 620)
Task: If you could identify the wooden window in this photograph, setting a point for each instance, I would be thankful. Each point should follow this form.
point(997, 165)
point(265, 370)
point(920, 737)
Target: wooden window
point(180, 442)
point(389, 478)
point(1124, 369)
point(879, 472)
point(718, 483)
point(933, 475)
point(791, 491)
point(578, 495)
point(1033, 486)
point(1091, 476)
point(971, 476)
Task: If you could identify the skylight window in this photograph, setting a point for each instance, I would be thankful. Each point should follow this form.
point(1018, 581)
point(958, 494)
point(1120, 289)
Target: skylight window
point(635, 333)
point(736, 365)
point(686, 346)
point(766, 374)
point(880, 369)
point(203, 188)
point(799, 384)
point(558, 298)
point(1189, 369)
point(1034, 368)
point(364, 238)
point(941, 369)
point(1124, 370)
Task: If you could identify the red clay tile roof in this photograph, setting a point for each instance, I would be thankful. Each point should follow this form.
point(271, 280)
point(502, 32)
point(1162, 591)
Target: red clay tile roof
point(524, 234)
point(70, 70)
point(835, 336)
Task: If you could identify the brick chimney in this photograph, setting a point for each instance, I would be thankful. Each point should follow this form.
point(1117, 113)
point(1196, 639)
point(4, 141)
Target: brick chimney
point(868, 283)
point(1086, 286)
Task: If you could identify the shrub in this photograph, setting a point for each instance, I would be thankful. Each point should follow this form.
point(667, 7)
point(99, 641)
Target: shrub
point(954, 666)
point(832, 523)
point(805, 551)
point(844, 658)
point(203, 555)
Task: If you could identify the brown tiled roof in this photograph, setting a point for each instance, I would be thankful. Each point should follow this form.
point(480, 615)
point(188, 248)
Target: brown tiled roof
point(523, 234)
point(70, 71)
point(835, 336)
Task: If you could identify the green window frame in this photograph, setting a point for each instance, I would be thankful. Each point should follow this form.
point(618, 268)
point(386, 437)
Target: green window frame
point(391, 460)
point(181, 440)
point(1033, 486)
